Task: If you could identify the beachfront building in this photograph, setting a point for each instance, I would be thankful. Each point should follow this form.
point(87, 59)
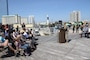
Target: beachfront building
point(17, 20)
point(31, 20)
point(24, 20)
point(75, 16)
point(11, 19)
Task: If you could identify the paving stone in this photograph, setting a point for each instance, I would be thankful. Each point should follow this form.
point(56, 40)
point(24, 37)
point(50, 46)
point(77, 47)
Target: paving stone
point(50, 49)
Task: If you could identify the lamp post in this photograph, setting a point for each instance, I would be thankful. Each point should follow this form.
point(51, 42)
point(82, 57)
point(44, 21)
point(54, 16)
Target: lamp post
point(7, 7)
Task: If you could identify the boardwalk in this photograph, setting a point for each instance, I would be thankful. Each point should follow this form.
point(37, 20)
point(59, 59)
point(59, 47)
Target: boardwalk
point(49, 49)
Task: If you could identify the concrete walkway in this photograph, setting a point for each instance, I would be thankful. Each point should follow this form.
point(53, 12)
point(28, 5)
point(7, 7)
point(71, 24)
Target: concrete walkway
point(49, 49)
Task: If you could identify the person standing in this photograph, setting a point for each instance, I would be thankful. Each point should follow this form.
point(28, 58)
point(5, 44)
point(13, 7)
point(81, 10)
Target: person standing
point(77, 28)
point(73, 28)
point(23, 26)
point(17, 28)
point(66, 31)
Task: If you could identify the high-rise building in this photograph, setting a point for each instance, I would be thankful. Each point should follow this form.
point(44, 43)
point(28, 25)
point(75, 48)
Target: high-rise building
point(75, 16)
point(3, 8)
point(11, 19)
point(31, 20)
point(24, 20)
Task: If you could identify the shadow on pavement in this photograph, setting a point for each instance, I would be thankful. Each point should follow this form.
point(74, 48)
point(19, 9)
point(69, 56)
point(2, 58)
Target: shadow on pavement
point(69, 40)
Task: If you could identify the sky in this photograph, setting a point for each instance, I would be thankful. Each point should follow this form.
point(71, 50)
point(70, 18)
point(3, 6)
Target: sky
point(55, 9)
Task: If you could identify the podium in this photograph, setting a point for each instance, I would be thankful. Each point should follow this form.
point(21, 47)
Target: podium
point(62, 38)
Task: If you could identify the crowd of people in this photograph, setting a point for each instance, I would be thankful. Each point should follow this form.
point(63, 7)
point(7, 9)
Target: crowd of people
point(84, 28)
point(17, 40)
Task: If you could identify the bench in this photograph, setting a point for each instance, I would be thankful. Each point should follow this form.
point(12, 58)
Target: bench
point(85, 34)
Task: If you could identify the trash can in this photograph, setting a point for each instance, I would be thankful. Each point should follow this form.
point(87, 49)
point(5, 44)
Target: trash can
point(62, 36)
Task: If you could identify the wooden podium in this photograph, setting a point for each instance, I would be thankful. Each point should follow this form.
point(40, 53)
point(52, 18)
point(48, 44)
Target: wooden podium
point(62, 36)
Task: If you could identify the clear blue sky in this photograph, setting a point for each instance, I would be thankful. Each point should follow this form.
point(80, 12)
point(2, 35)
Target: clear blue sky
point(56, 9)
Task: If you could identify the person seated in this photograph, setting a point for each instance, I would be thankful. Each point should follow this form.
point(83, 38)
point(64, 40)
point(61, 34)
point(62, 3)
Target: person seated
point(85, 31)
point(16, 38)
point(26, 48)
point(26, 35)
point(88, 32)
point(6, 33)
point(3, 41)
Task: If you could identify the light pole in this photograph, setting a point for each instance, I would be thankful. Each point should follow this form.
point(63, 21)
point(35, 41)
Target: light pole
point(7, 7)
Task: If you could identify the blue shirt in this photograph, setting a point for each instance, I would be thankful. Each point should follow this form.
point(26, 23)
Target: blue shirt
point(2, 39)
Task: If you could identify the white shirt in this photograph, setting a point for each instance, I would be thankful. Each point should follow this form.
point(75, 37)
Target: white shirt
point(88, 29)
point(85, 29)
